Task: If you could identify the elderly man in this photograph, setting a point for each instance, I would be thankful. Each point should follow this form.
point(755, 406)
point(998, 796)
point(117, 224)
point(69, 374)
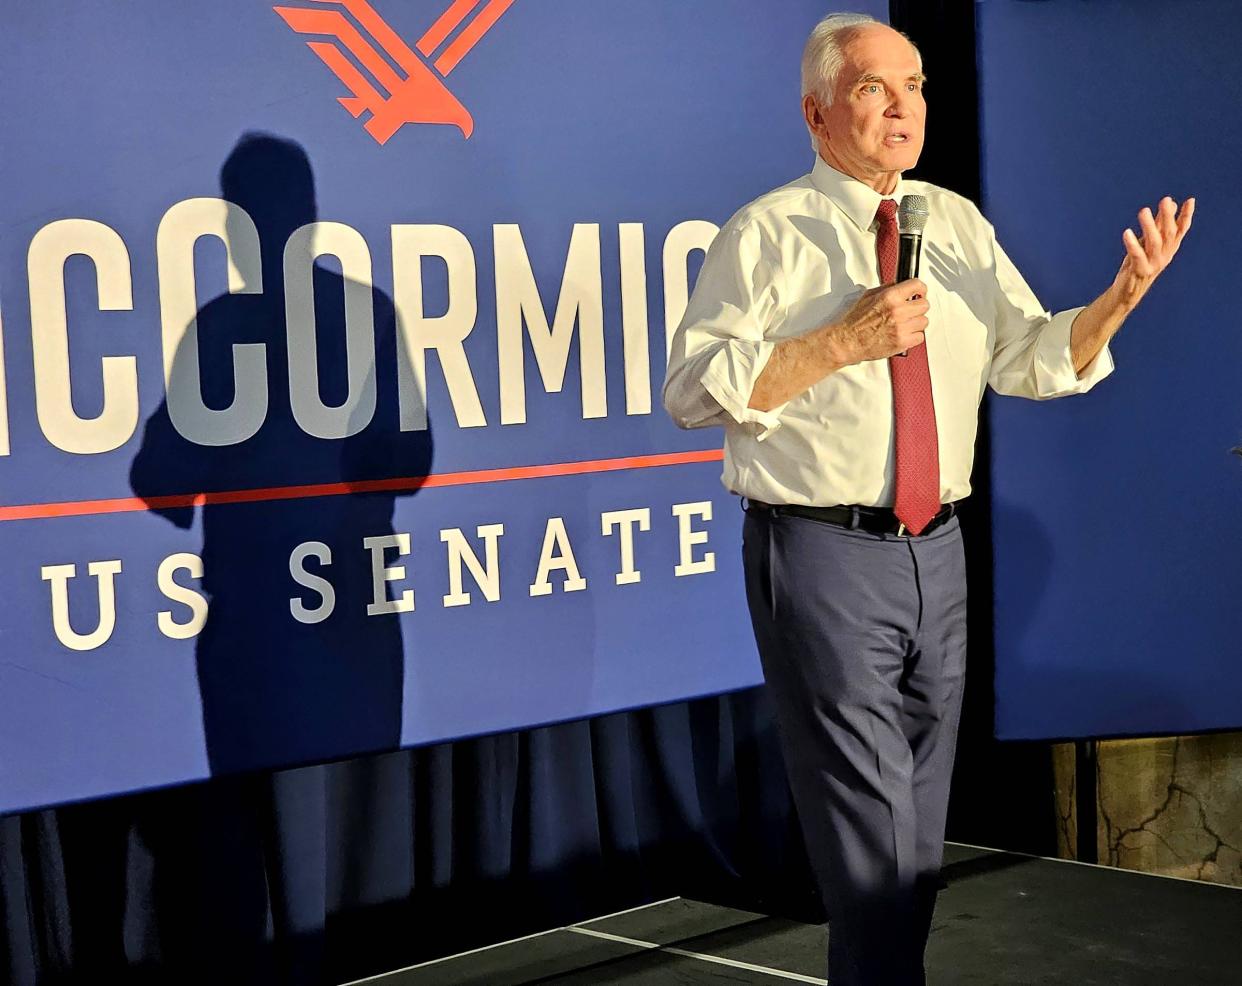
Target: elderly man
point(850, 413)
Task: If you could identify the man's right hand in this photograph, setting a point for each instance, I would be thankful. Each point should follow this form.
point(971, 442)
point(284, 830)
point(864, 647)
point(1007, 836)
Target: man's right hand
point(884, 321)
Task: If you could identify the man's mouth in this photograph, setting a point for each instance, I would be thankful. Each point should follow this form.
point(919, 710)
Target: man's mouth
point(896, 138)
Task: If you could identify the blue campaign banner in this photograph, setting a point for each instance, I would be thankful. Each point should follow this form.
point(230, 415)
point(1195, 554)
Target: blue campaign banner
point(1116, 520)
point(333, 334)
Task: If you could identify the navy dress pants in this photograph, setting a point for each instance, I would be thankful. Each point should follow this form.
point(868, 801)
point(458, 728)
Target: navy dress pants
point(862, 638)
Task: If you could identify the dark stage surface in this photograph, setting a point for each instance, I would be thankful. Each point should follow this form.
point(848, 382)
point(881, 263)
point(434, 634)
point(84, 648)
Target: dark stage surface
point(1005, 918)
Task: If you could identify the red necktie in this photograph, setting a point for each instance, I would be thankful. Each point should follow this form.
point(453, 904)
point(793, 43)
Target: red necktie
point(914, 414)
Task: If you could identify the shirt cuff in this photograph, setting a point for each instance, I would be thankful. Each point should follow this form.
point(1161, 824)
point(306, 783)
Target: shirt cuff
point(730, 379)
point(1054, 361)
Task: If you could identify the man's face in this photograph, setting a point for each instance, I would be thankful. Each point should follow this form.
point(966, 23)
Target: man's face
point(874, 128)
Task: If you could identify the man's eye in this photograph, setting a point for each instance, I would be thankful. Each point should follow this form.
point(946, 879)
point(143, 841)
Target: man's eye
point(871, 87)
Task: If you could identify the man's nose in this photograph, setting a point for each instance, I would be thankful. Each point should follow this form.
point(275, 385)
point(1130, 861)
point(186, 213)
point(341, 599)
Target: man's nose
point(899, 106)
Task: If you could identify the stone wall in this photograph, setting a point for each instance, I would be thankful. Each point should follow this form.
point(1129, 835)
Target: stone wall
point(1170, 805)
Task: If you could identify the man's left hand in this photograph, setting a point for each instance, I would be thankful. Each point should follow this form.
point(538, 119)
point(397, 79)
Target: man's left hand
point(1148, 255)
point(1145, 259)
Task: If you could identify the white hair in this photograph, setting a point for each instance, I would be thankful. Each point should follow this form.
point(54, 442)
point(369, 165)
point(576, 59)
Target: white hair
point(824, 55)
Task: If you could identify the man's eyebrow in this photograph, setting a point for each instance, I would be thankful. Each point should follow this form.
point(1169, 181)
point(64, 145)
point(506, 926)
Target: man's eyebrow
point(872, 77)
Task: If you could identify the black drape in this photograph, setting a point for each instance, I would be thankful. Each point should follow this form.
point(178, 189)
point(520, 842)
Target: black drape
point(333, 872)
point(1001, 791)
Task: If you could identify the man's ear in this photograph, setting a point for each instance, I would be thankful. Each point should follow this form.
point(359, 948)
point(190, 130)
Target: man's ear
point(813, 113)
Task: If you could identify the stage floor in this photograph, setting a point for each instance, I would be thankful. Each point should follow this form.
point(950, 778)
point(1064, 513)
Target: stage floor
point(1005, 918)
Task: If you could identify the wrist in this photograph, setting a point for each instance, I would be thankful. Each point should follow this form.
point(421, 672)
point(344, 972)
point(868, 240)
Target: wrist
point(836, 347)
point(1123, 295)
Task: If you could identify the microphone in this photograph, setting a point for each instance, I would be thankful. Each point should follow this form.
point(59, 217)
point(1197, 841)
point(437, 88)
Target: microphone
point(911, 218)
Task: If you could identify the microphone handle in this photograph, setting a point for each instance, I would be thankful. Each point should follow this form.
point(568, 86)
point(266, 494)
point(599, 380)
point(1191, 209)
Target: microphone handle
point(909, 250)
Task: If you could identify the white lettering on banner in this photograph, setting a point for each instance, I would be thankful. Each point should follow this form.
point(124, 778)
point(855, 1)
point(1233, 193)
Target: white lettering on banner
point(49, 336)
point(104, 573)
point(181, 228)
point(381, 575)
point(520, 315)
point(556, 554)
point(297, 570)
point(487, 577)
point(634, 318)
point(4, 396)
point(688, 538)
point(446, 333)
point(624, 521)
point(181, 594)
point(682, 240)
point(581, 301)
point(305, 246)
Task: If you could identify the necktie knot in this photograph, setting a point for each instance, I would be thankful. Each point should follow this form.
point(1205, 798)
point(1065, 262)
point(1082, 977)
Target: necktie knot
point(886, 214)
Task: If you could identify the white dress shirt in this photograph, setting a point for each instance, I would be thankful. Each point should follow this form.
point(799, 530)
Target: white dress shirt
point(800, 256)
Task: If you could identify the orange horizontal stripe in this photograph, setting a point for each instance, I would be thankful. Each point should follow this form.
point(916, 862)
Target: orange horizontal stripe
point(133, 504)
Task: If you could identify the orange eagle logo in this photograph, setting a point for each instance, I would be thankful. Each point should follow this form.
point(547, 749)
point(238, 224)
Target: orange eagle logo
point(393, 98)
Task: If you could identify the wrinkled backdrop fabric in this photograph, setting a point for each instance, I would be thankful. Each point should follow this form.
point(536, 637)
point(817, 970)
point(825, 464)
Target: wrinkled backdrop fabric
point(328, 873)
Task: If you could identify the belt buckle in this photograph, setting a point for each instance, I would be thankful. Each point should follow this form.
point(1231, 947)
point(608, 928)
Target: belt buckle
point(901, 529)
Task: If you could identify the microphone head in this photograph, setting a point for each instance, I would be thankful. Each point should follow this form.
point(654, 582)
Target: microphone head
point(912, 214)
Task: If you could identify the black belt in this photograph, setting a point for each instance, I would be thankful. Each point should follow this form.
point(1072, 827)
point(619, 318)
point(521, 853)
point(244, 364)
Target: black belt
point(875, 520)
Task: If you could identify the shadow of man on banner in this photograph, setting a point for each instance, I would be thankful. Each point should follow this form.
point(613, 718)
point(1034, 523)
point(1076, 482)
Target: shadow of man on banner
point(292, 666)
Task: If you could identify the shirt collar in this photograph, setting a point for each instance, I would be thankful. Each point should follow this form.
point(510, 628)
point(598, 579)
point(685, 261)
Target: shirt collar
point(857, 200)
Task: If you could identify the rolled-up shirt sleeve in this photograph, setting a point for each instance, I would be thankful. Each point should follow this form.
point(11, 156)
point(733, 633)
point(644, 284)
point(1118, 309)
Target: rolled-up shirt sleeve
point(1031, 356)
point(720, 347)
